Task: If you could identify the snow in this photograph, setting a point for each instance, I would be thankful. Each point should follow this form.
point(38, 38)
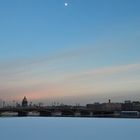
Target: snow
point(51, 128)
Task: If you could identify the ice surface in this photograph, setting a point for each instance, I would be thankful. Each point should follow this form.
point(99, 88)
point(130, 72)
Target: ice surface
point(49, 128)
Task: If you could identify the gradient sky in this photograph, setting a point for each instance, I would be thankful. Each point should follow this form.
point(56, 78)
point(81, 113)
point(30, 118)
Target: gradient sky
point(85, 52)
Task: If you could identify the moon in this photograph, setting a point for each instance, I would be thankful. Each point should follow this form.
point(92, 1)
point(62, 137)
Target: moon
point(66, 4)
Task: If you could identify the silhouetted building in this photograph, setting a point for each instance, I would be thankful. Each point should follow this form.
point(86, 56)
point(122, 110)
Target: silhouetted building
point(24, 102)
point(105, 106)
point(136, 105)
point(111, 106)
point(95, 106)
point(0, 103)
point(131, 106)
point(127, 106)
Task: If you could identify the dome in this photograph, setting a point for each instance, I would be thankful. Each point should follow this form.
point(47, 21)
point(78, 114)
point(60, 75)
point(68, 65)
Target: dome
point(24, 102)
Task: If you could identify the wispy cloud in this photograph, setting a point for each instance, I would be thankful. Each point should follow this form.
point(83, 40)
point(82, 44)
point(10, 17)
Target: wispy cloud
point(107, 71)
point(21, 65)
point(37, 79)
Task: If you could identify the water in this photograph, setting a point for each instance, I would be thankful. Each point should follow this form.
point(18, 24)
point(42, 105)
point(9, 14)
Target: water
point(48, 128)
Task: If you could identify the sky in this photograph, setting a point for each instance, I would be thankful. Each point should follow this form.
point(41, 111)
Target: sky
point(70, 51)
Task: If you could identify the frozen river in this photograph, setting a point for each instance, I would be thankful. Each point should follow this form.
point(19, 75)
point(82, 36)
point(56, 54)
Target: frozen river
point(69, 129)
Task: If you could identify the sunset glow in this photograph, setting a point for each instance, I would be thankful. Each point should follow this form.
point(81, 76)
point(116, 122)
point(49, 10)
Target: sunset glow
point(87, 52)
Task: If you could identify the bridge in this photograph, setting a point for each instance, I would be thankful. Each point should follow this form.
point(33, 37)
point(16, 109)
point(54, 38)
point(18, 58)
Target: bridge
point(56, 111)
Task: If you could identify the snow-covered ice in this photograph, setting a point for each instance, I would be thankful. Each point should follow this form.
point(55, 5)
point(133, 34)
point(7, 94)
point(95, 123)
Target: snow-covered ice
point(49, 128)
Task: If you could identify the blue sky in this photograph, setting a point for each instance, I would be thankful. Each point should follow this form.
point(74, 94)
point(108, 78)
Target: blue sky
point(86, 50)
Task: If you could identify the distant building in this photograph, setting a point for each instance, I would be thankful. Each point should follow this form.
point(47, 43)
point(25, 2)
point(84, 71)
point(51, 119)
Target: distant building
point(136, 105)
point(24, 102)
point(0, 103)
point(95, 106)
point(111, 106)
point(130, 114)
point(127, 106)
point(105, 106)
point(131, 106)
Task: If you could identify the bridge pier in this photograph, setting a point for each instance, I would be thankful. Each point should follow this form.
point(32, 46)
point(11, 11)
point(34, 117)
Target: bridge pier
point(56, 113)
point(77, 114)
point(22, 113)
point(45, 113)
point(91, 114)
point(85, 113)
point(67, 113)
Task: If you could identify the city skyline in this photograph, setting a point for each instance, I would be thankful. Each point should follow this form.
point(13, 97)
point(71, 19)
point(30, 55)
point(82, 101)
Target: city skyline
point(29, 103)
point(86, 51)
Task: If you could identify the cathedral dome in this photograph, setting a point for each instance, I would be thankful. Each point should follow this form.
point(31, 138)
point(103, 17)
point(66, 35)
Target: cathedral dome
point(24, 102)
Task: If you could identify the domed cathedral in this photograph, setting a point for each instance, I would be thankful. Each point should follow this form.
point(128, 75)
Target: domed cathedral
point(24, 102)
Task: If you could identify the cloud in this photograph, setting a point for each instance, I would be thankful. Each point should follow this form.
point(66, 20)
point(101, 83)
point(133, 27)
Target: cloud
point(107, 71)
point(37, 79)
point(12, 67)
